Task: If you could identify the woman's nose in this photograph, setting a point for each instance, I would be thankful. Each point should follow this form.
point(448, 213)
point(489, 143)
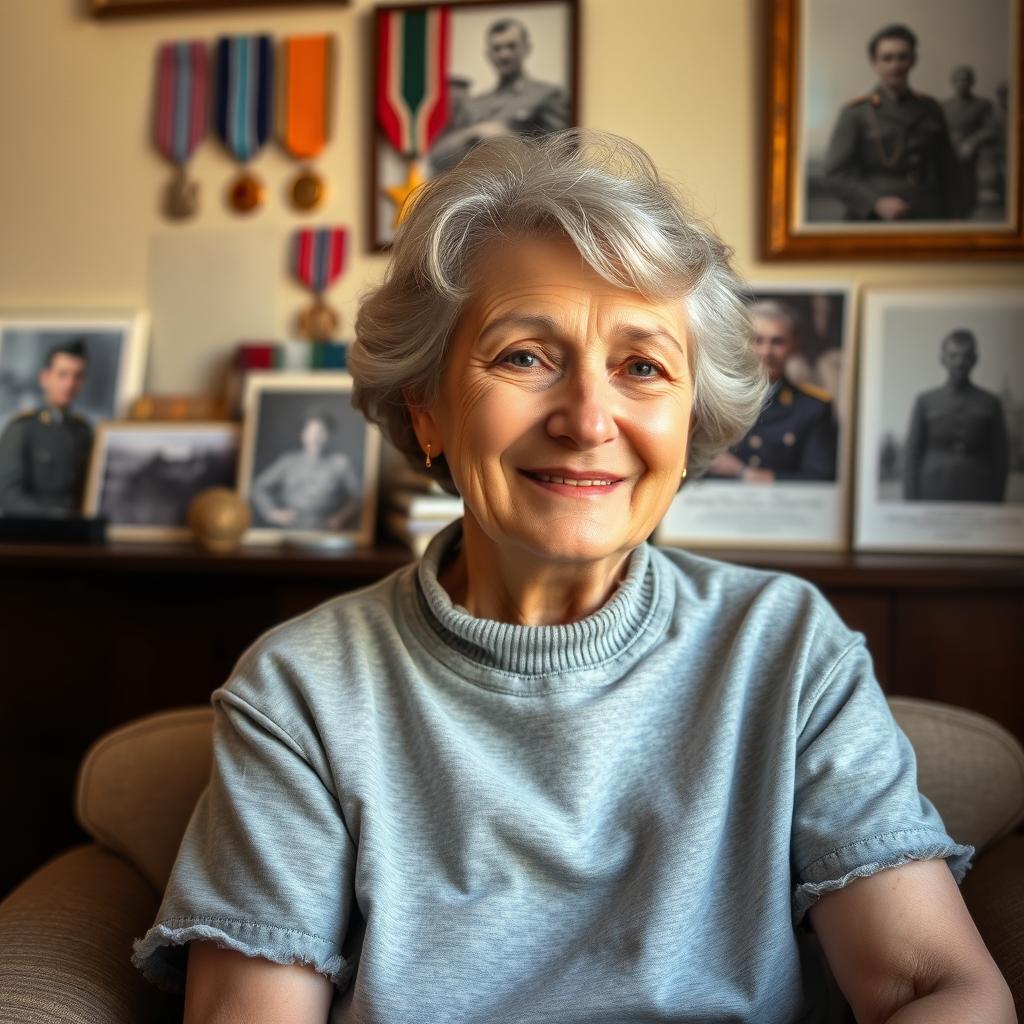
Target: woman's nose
point(584, 413)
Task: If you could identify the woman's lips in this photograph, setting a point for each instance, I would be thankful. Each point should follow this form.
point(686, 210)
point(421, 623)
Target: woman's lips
point(579, 487)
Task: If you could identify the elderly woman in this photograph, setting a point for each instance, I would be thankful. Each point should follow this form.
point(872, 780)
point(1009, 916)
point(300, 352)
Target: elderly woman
point(552, 772)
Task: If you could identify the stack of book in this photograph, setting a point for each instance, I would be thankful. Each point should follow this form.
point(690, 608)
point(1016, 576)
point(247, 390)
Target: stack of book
point(416, 510)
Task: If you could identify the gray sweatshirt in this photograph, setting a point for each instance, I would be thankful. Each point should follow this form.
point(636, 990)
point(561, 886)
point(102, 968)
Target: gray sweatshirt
point(623, 819)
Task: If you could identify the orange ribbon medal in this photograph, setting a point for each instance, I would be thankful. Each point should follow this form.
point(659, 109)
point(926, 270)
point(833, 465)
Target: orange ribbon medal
point(305, 110)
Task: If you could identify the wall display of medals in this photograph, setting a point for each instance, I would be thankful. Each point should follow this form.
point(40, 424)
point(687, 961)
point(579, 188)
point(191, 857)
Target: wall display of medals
point(255, 91)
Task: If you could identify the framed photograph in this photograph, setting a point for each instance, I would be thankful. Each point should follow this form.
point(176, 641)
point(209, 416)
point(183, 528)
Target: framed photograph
point(895, 130)
point(786, 484)
point(309, 461)
point(114, 348)
point(112, 8)
point(449, 75)
point(143, 475)
point(940, 448)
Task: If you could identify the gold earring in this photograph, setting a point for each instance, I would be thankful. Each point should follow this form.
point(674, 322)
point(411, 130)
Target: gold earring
point(428, 455)
point(683, 477)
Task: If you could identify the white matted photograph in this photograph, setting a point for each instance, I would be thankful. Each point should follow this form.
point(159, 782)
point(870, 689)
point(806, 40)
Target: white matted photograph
point(451, 75)
point(786, 483)
point(309, 461)
point(143, 475)
point(113, 349)
point(940, 464)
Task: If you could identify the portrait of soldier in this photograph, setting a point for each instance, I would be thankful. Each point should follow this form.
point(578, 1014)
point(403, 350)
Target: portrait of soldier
point(971, 125)
point(312, 488)
point(890, 156)
point(957, 447)
point(517, 104)
point(794, 438)
point(44, 452)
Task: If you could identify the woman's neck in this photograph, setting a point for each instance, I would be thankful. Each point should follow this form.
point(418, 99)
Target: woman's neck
point(504, 583)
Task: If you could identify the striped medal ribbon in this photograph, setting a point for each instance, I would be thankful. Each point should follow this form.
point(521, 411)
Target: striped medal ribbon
point(412, 88)
point(245, 80)
point(181, 117)
point(306, 77)
point(318, 260)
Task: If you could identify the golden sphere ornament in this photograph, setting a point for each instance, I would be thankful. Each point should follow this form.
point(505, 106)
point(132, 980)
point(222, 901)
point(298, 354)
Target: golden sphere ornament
point(218, 517)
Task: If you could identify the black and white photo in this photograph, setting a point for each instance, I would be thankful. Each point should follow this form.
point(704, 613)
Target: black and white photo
point(941, 447)
point(894, 127)
point(511, 70)
point(144, 475)
point(309, 460)
point(786, 481)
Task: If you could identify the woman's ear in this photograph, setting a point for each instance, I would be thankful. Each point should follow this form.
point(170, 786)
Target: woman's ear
point(423, 424)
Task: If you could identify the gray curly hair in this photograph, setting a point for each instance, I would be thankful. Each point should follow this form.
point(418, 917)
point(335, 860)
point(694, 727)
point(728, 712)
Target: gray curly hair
point(604, 194)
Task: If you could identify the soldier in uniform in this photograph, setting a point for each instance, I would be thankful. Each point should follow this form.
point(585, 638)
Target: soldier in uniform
point(794, 438)
point(890, 156)
point(970, 120)
point(312, 489)
point(44, 453)
point(958, 448)
point(517, 105)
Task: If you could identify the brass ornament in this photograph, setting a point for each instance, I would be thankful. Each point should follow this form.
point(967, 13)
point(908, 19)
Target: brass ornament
point(218, 517)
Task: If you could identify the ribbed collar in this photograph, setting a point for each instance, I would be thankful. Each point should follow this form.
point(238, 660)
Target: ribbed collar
point(522, 655)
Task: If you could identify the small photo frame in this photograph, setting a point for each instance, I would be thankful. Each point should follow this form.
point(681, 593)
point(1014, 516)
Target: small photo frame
point(786, 484)
point(115, 353)
point(143, 475)
point(895, 130)
point(940, 448)
point(309, 461)
point(449, 75)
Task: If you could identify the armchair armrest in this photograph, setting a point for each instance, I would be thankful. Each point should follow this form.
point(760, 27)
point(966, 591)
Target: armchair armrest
point(66, 934)
point(994, 893)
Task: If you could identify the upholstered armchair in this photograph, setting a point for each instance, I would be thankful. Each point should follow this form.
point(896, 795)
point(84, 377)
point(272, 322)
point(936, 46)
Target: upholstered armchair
point(66, 932)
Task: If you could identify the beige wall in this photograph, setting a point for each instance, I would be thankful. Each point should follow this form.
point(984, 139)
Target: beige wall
point(79, 180)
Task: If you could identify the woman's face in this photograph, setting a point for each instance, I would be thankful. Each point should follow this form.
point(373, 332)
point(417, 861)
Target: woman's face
point(553, 372)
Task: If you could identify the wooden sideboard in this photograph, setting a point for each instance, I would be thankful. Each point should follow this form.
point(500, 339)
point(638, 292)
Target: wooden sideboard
point(96, 636)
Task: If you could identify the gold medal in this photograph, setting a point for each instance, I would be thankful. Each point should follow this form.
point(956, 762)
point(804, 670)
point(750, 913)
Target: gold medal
point(246, 193)
point(181, 198)
point(308, 190)
point(319, 322)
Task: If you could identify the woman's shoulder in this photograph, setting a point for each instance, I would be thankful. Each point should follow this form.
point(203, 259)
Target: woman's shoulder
point(305, 658)
point(724, 592)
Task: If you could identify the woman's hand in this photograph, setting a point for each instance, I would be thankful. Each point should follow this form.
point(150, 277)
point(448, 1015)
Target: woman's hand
point(281, 516)
point(904, 950)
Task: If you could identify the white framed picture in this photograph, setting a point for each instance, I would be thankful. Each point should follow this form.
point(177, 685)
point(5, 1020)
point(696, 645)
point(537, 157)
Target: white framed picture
point(787, 482)
point(143, 475)
point(940, 449)
point(114, 345)
point(309, 461)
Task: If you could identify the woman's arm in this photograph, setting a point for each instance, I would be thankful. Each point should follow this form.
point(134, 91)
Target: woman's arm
point(226, 987)
point(903, 949)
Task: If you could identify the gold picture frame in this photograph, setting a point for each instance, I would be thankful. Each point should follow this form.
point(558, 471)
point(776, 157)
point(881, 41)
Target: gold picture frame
point(804, 57)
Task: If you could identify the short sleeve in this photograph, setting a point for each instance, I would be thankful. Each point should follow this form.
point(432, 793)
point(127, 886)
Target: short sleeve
point(857, 808)
point(265, 867)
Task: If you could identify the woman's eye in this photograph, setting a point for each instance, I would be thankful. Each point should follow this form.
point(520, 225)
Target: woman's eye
point(644, 368)
point(521, 359)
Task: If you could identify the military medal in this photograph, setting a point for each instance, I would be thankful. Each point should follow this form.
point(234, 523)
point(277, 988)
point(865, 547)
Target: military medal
point(412, 89)
point(181, 118)
point(305, 111)
point(245, 74)
point(318, 259)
